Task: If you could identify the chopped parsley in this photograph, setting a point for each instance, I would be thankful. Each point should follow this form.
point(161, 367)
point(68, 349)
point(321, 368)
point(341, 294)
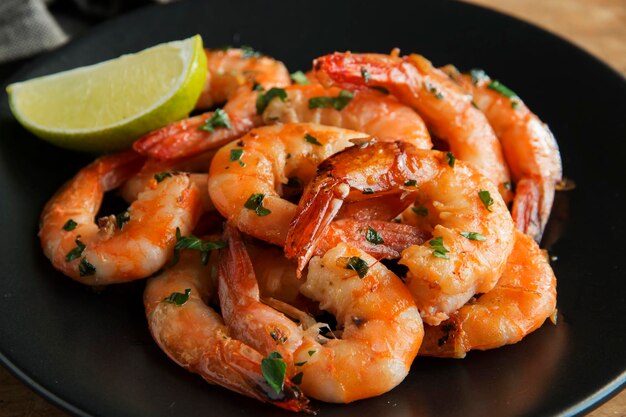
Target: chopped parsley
point(451, 159)
point(297, 378)
point(367, 191)
point(256, 86)
point(366, 75)
point(161, 176)
point(178, 298)
point(70, 225)
point(373, 236)
point(311, 352)
point(432, 89)
point(273, 368)
point(338, 103)
point(515, 104)
point(359, 265)
point(255, 202)
point(121, 219)
point(410, 183)
point(474, 236)
point(76, 252)
point(249, 52)
point(219, 119)
point(312, 139)
point(194, 243)
point(439, 250)
point(235, 155)
point(486, 199)
point(299, 77)
point(264, 98)
point(85, 268)
point(502, 89)
point(420, 211)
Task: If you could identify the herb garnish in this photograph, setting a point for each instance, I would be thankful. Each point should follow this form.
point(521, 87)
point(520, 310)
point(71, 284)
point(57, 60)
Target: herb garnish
point(366, 75)
point(219, 119)
point(373, 236)
point(249, 52)
point(451, 159)
point(235, 155)
point(76, 252)
point(194, 243)
point(420, 211)
point(312, 139)
point(178, 298)
point(161, 176)
point(255, 202)
point(367, 191)
point(264, 98)
point(297, 378)
point(273, 369)
point(299, 77)
point(70, 225)
point(338, 103)
point(502, 89)
point(121, 219)
point(85, 268)
point(439, 251)
point(359, 265)
point(432, 89)
point(410, 183)
point(474, 236)
point(486, 199)
point(311, 352)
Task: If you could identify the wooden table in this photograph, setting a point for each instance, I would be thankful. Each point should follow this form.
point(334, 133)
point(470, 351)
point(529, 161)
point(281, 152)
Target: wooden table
point(598, 26)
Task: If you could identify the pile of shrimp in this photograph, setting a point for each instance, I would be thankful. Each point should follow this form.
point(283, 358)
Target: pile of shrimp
point(310, 195)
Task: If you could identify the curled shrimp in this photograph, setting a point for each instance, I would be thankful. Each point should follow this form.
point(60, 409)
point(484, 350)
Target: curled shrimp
point(518, 305)
point(529, 147)
point(193, 335)
point(130, 246)
point(381, 327)
point(369, 112)
point(446, 109)
point(230, 68)
point(471, 228)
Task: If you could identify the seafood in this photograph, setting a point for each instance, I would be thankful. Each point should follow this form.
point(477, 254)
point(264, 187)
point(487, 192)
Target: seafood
point(193, 335)
point(369, 112)
point(523, 298)
point(230, 68)
point(529, 147)
point(381, 327)
point(446, 109)
point(471, 228)
point(130, 246)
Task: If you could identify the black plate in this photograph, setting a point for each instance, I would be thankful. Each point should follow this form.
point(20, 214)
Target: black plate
point(91, 353)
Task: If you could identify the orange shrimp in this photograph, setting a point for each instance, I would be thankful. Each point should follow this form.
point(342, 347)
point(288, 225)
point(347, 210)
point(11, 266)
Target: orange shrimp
point(195, 337)
point(446, 109)
point(518, 305)
point(529, 146)
point(472, 230)
point(131, 246)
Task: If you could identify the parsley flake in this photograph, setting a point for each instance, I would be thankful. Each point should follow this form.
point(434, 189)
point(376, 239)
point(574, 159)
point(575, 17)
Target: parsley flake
point(359, 265)
point(440, 250)
point(410, 183)
point(161, 176)
point(338, 103)
point(367, 191)
point(486, 199)
point(70, 225)
point(451, 159)
point(273, 368)
point(373, 236)
point(297, 378)
point(420, 211)
point(432, 89)
point(121, 219)
point(299, 77)
point(311, 352)
point(255, 202)
point(235, 155)
point(312, 139)
point(249, 52)
point(76, 252)
point(264, 99)
point(85, 268)
point(366, 75)
point(194, 243)
point(219, 119)
point(474, 236)
point(502, 89)
point(178, 298)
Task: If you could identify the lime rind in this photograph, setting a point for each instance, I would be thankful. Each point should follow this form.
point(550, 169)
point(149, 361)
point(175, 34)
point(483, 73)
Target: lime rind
point(176, 104)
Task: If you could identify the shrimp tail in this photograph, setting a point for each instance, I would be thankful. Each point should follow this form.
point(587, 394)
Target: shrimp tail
point(527, 213)
point(311, 223)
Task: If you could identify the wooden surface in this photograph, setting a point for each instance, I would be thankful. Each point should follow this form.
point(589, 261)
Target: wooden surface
point(599, 26)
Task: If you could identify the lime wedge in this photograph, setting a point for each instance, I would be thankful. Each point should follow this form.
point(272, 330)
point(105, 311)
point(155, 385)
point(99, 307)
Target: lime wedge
point(106, 106)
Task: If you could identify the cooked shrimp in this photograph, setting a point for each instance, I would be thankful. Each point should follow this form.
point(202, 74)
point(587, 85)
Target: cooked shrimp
point(195, 337)
point(447, 111)
point(530, 149)
point(369, 112)
point(131, 246)
point(230, 68)
point(381, 326)
point(472, 230)
point(247, 177)
point(518, 305)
